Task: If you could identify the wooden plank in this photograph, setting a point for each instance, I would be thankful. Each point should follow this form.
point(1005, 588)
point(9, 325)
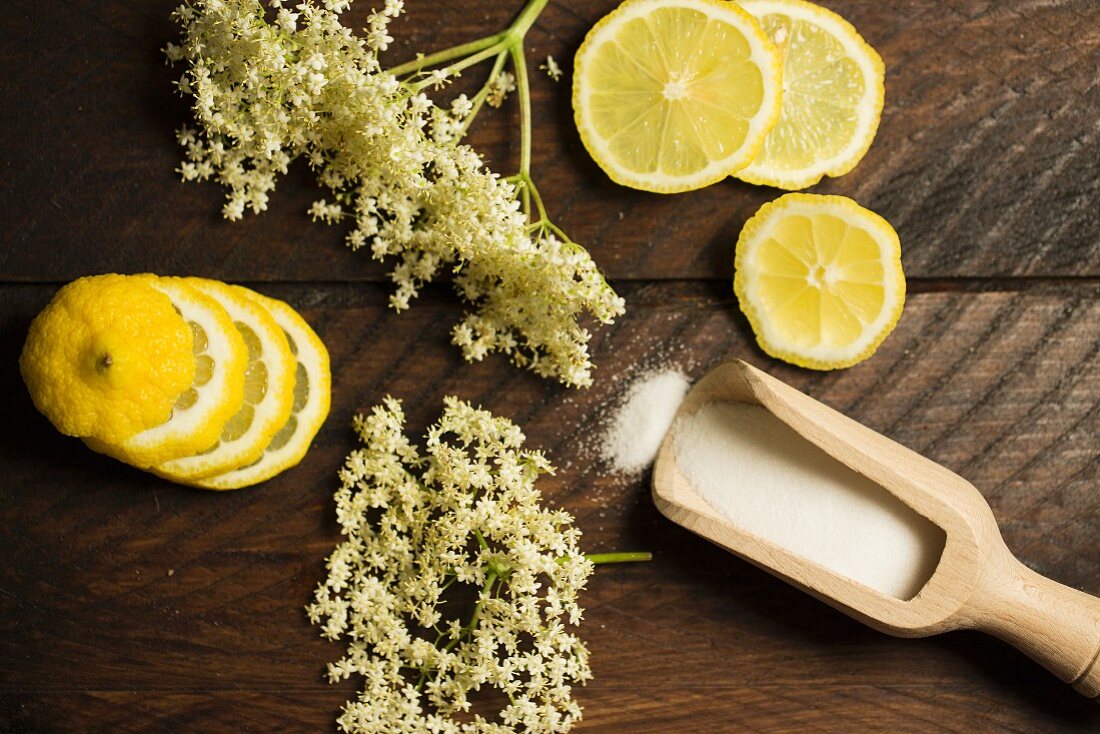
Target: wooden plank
point(898, 709)
point(985, 162)
point(126, 599)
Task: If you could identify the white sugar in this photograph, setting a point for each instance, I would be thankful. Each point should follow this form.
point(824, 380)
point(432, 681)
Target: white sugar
point(768, 481)
point(642, 420)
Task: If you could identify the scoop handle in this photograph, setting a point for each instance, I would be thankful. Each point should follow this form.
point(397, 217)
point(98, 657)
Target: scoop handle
point(1055, 625)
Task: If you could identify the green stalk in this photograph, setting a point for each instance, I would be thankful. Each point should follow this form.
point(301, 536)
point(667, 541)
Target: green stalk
point(524, 88)
point(628, 557)
point(483, 94)
point(448, 54)
point(525, 20)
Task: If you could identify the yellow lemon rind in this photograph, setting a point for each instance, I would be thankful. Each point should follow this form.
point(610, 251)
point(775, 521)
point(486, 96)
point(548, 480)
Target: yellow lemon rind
point(764, 55)
point(107, 357)
point(315, 360)
point(871, 222)
point(874, 71)
point(270, 412)
point(198, 427)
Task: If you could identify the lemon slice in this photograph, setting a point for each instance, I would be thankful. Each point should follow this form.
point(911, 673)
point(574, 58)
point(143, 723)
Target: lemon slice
point(312, 385)
point(216, 394)
point(820, 280)
point(674, 95)
point(268, 389)
point(833, 93)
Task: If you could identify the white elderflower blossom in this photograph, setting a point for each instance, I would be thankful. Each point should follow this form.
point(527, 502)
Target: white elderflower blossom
point(302, 85)
point(551, 68)
point(421, 524)
point(500, 86)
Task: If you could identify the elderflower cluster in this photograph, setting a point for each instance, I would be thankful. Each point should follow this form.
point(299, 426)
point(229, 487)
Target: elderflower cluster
point(421, 527)
point(296, 83)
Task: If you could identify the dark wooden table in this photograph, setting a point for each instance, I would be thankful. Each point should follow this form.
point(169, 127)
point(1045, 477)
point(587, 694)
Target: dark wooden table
point(128, 604)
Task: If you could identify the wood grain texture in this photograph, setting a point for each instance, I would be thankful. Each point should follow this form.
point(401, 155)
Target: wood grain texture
point(131, 605)
point(985, 161)
point(1000, 387)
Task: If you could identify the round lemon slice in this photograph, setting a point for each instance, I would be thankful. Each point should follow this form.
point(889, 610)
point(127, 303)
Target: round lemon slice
point(833, 92)
point(820, 280)
point(312, 385)
point(216, 394)
point(268, 390)
point(674, 95)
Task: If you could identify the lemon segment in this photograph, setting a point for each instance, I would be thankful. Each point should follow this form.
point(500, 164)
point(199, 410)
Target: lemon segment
point(674, 95)
point(215, 395)
point(311, 397)
point(820, 280)
point(107, 358)
point(833, 94)
point(268, 389)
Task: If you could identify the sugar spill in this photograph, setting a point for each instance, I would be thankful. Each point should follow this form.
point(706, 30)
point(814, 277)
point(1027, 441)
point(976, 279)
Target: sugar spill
point(768, 481)
point(633, 437)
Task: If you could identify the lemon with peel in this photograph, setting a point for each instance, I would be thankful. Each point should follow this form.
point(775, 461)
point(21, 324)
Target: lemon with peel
point(268, 389)
point(833, 93)
point(215, 395)
point(820, 280)
point(107, 358)
point(674, 95)
point(311, 402)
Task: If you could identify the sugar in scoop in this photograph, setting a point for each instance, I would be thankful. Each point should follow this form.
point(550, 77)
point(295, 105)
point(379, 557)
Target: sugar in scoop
point(767, 480)
point(861, 522)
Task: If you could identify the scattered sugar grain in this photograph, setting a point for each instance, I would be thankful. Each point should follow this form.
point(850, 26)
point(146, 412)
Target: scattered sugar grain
point(640, 423)
point(767, 480)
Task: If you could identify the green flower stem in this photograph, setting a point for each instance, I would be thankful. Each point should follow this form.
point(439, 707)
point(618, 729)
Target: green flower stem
point(528, 185)
point(524, 87)
point(483, 94)
point(450, 54)
point(506, 43)
point(456, 68)
point(525, 20)
point(630, 557)
point(486, 593)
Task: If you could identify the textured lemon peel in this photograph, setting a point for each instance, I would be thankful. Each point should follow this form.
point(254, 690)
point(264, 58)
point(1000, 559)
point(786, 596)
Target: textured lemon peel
point(765, 170)
point(107, 358)
point(311, 406)
point(261, 415)
point(195, 428)
point(763, 57)
point(764, 222)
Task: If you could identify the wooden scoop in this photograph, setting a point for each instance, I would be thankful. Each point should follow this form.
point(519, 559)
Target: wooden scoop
point(977, 584)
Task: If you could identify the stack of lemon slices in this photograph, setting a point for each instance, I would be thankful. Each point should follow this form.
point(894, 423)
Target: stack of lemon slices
point(674, 95)
point(197, 381)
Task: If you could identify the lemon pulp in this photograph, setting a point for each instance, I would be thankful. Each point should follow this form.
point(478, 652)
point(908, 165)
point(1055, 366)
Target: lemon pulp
point(833, 93)
point(820, 279)
point(672, 95)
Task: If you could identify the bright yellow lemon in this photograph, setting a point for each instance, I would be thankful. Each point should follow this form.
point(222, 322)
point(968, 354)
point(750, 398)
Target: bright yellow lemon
point(820, 280)
point(107, 358)
point(833, 92)
point(310, 407)
point(673, 95)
